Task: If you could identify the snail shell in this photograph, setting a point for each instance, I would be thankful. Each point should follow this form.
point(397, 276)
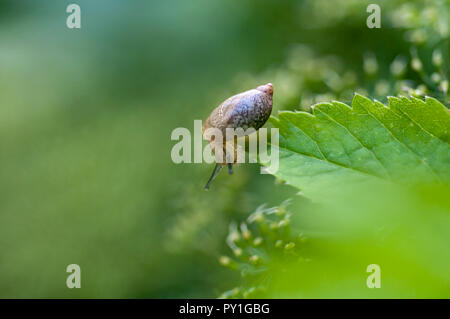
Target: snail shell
point(249, 109)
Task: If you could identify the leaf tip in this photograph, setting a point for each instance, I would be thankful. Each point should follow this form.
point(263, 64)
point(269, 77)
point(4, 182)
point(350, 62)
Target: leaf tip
point(358, 99)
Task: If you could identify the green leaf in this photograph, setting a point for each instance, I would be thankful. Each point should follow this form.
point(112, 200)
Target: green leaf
point(338, 145)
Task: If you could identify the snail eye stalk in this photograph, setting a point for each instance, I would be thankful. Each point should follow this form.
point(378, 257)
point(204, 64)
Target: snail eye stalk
point(213, 175)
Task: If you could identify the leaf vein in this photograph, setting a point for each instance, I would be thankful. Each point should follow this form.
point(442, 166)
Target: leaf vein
point(359, 141)
point(399, 141)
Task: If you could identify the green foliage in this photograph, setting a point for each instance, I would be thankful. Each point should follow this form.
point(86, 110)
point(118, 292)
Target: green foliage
point(257, 244)
point(377, 175)
point(379, 180)
point(415, 63)
point(402, 228)
point(407, 140)
point(307, 77)
point(86, 176)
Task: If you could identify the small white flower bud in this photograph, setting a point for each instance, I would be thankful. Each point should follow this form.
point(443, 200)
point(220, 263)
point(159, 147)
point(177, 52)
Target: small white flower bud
point(398, 66)
point(416, 64)
point(437, 58)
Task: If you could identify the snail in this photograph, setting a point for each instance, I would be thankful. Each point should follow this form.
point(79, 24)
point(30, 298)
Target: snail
point(249, 109)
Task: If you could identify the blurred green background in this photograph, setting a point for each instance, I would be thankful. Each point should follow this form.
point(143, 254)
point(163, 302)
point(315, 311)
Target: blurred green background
point(86, 116)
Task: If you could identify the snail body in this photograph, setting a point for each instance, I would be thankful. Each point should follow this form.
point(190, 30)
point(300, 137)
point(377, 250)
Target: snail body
point(249, 109)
